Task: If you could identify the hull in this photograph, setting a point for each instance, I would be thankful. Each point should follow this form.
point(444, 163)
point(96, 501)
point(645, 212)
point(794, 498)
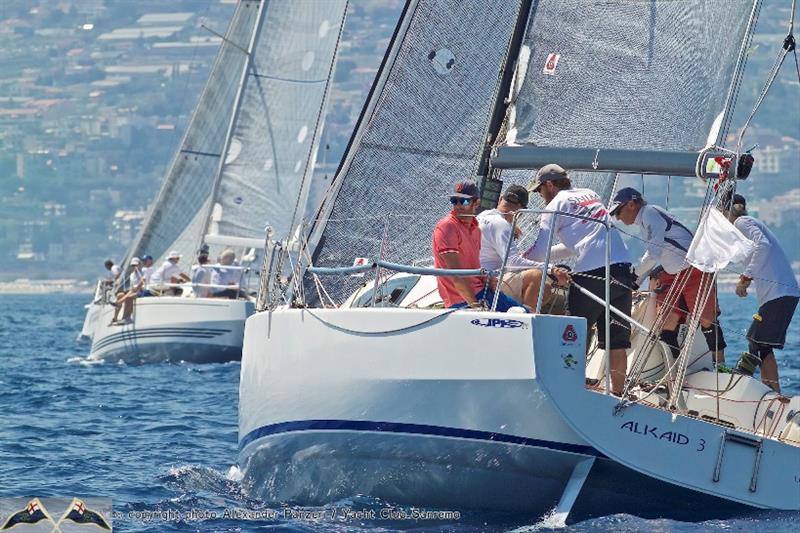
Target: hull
point(737, 459)
point(417, 407)
point(195, 330)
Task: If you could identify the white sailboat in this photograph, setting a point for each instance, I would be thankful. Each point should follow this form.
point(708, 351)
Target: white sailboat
point(387, 394)
point(246, 161)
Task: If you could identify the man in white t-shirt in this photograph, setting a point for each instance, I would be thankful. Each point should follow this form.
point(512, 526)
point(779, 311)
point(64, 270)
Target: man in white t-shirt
point(523, 276)
point(147, 268)
point(169, 273)
point(769, 270)
point(680, 287)
point(587, 240)
point(201, 276)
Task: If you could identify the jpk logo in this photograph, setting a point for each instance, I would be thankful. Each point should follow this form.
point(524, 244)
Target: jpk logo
point(497, 323)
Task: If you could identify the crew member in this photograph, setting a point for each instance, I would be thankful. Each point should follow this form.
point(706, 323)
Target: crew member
point(682, 287)
point(456, 244)
point(769, 270)
point(587, 240)
point(523, 277)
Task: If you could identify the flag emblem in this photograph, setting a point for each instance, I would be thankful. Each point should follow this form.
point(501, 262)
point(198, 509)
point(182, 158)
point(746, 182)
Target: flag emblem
point(80, 514)
point(551, 64)
point(33, 513)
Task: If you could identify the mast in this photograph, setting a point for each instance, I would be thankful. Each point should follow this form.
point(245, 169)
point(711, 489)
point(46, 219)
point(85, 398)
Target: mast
point(183, 152)
point(503, 99)
point(236, 107)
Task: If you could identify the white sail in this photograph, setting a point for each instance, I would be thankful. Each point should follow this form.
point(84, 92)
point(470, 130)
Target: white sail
point(189, 180)
point(276, 128)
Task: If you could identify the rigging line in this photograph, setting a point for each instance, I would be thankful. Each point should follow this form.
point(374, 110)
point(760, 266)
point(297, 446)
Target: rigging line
point(736, 82)
point(279, 78)
point(797, 65)
point(776, 66)
point(196, 152)
point(308, 171)
point(399, 331)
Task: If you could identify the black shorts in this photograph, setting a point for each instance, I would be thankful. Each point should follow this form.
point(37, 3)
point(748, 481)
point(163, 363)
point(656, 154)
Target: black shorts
point(776, 315)
point(578, 304)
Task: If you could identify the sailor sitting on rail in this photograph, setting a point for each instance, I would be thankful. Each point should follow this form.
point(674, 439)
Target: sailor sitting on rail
point(587, 240)
point(125, 299)
point(776, 290)
point(457, 245)
point(523, 277)
point(147, 273)
point(169, 273)
point(681, 287)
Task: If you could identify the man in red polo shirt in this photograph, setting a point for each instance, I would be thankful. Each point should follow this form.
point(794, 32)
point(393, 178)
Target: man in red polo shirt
point(457, 245)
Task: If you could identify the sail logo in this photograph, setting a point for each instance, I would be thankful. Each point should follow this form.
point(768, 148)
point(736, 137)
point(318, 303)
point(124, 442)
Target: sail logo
point(569, 335)
point(550, 64)
point(497, 323)
point(646, 430)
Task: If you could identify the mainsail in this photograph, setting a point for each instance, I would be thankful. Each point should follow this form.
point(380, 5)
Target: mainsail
point(190, 178)
point(650, 77)
point(424, 127)
point(276, 129)
point(263, 107)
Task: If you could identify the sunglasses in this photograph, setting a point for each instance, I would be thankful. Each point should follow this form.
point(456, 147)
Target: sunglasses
point(460, 201)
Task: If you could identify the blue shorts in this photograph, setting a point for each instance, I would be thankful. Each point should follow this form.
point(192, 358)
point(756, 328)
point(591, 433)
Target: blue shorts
point(504, 303)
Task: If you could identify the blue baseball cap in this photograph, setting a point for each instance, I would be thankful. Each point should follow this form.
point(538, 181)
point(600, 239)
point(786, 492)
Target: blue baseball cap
point(622, 197)
point(465, 189)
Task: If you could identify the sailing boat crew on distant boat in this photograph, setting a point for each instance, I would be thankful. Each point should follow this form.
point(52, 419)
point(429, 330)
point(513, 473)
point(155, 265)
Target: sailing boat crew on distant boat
point(588, 242)
point(169, 273)
point(457, 245)
point(776, 289)
point(681, 286)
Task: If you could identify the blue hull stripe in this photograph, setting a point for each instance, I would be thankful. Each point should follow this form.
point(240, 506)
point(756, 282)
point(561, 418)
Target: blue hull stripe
point(414, 429)
point(134, 334)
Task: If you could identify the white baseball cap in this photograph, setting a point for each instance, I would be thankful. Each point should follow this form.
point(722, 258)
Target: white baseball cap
point(135, 261)
point(174, 255)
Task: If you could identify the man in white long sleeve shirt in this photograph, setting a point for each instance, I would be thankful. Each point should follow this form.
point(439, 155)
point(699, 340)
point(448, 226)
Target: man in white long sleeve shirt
point(768, 269)
point(169, 273)
point(587, 241)
point(680, 286)
point(523, 277)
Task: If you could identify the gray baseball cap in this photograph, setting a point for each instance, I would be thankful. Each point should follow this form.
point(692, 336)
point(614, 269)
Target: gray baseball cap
point(549, 172)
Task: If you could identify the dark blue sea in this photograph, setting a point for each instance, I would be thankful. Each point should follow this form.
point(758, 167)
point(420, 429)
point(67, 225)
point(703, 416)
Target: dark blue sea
point(162, 438)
